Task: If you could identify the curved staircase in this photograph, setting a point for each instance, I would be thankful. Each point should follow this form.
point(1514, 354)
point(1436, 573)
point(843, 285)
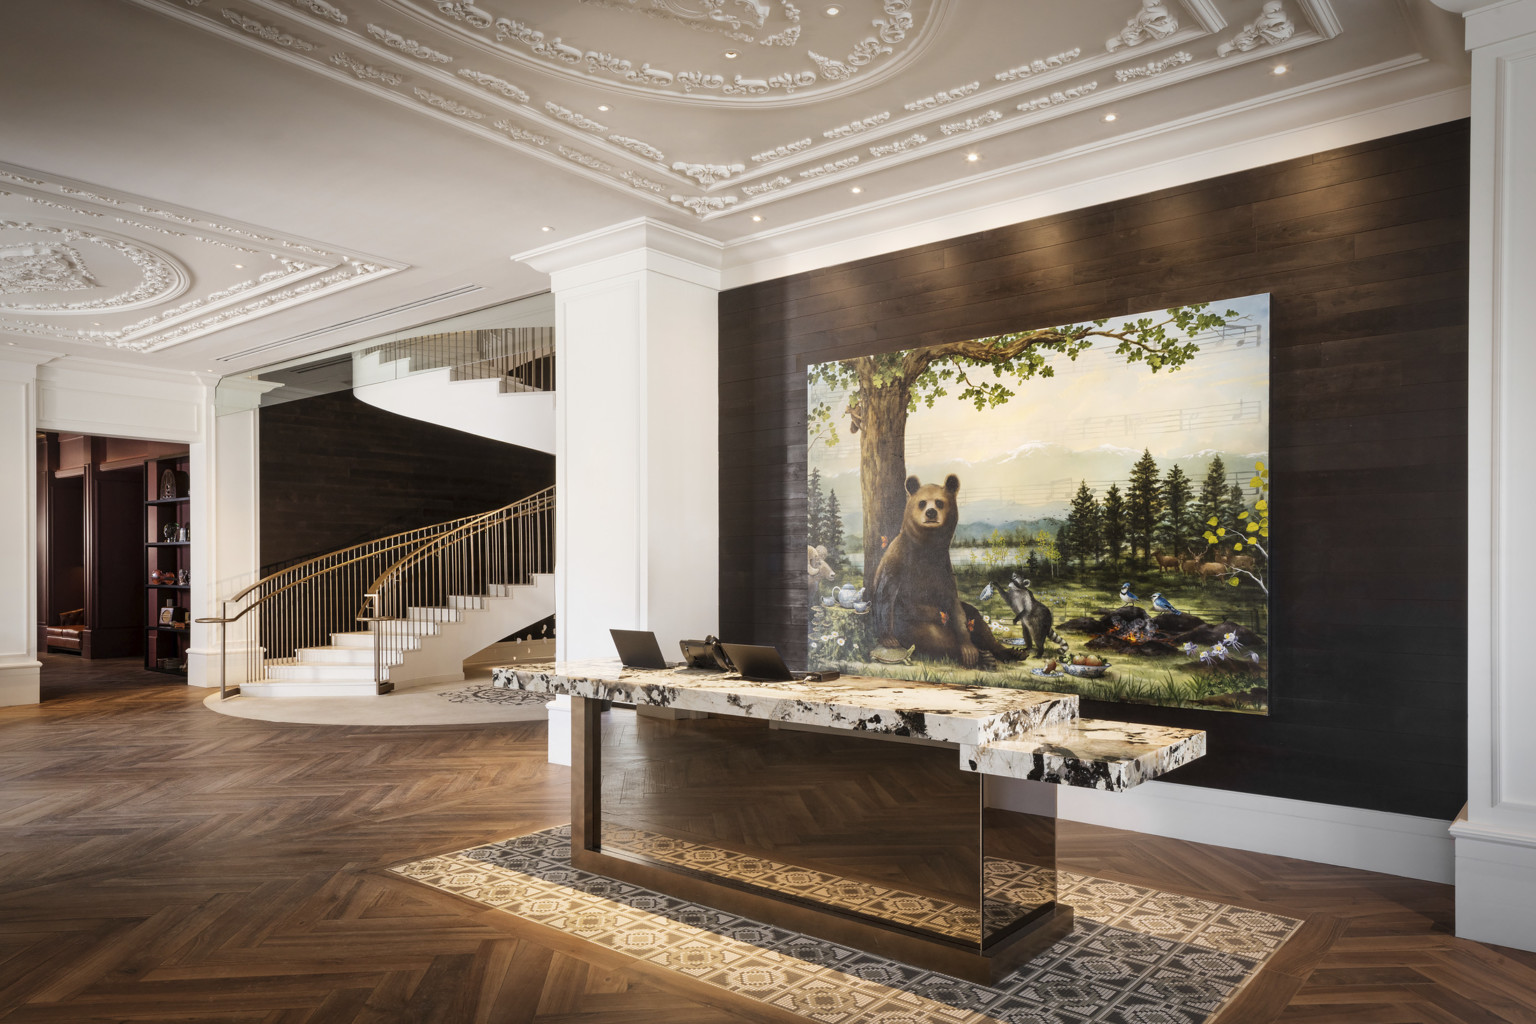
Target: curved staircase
point(405, 608)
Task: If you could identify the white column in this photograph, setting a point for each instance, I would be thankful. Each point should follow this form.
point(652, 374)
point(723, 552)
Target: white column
point(636, 439)
point(1496, 833)
point(226, 504)
point(18, 528)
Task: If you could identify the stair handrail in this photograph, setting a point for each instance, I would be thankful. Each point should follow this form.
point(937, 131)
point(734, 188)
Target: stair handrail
point(320, 595)
point(504, 547)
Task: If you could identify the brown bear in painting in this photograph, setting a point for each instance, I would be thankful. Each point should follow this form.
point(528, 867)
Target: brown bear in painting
point(916, 601)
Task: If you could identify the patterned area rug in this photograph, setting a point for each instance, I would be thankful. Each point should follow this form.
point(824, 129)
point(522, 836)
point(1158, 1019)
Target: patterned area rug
point(1136, 956)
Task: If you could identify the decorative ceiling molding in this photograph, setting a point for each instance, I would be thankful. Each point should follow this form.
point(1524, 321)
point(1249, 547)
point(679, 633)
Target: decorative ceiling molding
point(1153, 21)
point(855, 127)
point(1270, 27)
point(271, 33)
point(716, 19)
point(395, 41)
point(938, 98)
point(144, 298)
point(636, 161)
point(1156, 67)
point(321, 8)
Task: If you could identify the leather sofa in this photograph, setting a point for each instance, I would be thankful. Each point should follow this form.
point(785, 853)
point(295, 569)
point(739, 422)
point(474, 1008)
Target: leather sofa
point(66, 635)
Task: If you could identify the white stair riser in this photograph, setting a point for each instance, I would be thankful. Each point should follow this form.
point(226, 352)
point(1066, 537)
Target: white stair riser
point(336, 656)
point(338, 673)
point(313, 688)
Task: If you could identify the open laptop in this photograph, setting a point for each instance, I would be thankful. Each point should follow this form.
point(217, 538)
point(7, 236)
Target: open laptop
point(764, 664)
point(638, 648)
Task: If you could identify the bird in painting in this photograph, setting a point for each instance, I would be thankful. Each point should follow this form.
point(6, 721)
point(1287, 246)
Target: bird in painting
point(1126, 597)
point(1164, 605)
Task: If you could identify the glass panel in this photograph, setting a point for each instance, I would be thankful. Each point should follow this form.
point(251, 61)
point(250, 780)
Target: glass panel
point(880, 829)
point(1019, 884)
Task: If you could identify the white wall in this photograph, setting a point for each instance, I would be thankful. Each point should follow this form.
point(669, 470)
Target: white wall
point(18, 529)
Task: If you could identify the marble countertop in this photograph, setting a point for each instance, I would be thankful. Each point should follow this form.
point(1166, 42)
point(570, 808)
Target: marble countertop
point(1022, 734)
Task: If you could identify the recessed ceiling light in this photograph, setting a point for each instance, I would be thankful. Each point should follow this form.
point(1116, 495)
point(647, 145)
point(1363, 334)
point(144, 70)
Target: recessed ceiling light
point(972, 157)
point(1109, 117)
point(731, 55)
point(604, 107)
point(239, 266)
point(546, 227)
point(95, 323)
point(1281, 69)
point(757, 216)
point(834, 11)
point(856, 189)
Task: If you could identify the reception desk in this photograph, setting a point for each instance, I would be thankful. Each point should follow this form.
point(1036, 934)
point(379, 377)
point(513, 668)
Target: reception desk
point(854, 810)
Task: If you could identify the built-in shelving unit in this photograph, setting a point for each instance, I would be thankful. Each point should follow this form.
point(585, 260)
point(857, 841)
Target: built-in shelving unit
point(166, 514)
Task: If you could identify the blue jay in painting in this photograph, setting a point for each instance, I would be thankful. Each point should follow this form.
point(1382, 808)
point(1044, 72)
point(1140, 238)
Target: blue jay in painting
point(1162, 604)
point(1126, 597)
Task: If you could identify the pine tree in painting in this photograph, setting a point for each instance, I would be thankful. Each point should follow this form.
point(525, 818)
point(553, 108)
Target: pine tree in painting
point(1112, 516)
point(1144, 503)
point(815, 510)
point(832, 529)
point(1083, 525)
point(1178, 521)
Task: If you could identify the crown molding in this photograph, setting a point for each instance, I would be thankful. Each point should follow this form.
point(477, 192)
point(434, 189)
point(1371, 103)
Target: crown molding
point(613, 249)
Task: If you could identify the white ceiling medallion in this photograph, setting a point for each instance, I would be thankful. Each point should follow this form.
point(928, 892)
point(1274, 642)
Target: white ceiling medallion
point(1151, 22)
point(145, 275)
point(91, 258)
point(42, 268)
point(1272, 26)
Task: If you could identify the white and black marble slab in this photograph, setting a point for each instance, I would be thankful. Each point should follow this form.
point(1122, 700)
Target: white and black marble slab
point(963, 715)
point(1088, 753)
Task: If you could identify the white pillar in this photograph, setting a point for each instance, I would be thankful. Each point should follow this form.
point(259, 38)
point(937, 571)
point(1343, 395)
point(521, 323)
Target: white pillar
point(226, 504)
point(1496, 833)
point(636, 439)
point(18, 527)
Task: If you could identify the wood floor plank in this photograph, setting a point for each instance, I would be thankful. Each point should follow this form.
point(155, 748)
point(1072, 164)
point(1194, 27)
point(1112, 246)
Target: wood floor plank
point(161, 863)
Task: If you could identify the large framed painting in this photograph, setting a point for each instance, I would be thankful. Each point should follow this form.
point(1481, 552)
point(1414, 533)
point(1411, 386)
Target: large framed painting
point(1080, 508)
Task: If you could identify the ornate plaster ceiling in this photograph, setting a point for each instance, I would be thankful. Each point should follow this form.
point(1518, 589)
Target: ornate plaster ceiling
point(447, 135)
point(82, 263)
point(724, 106)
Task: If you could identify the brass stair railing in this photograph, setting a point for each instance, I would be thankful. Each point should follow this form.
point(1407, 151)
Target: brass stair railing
point(449, 572)
point(300, 606)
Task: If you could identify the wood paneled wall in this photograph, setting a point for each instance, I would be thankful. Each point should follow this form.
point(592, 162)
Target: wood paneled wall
point(1364, 253)
point(336, 471)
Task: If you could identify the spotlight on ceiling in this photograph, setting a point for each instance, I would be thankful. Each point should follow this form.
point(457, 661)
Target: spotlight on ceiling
point(239, 266)
point(1109, 117)
point(757, 217)
point(604, 107)
point(834, 11)
point(972, 157)
point(731, 54)
point(856, 190)
point(547, 227)
point(1281, 69)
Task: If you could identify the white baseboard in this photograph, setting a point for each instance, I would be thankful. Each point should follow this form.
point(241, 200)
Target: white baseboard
point(1495, 884)
point(1395, 844)
point(19, 682)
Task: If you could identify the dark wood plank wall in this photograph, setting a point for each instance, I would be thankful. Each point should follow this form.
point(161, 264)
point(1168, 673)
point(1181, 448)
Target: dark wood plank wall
point(336, 471)
point(1364, 252)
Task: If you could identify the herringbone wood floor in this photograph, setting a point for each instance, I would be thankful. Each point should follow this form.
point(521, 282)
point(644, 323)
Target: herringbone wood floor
point(161, 863)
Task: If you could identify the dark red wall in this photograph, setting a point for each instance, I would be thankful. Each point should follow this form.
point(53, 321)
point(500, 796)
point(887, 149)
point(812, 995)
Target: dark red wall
point(1364, 253)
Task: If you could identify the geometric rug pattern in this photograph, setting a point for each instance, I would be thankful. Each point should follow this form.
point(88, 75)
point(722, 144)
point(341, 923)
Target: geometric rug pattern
point(1135, 955)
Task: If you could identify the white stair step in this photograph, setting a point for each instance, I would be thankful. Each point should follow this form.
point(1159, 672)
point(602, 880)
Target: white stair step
point(362, 656)
point(321, 671)
point(357, 640)
point(314, 688)
point(434, 614)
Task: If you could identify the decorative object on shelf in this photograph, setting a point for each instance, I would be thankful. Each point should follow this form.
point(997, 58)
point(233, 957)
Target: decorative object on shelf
point(168, 484)
point(183, 535)
point(167, 664)
point(184, 576)
point(168, 531)
point(167, 614)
